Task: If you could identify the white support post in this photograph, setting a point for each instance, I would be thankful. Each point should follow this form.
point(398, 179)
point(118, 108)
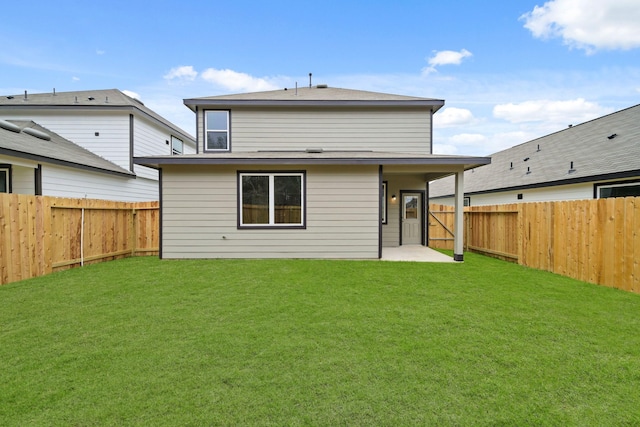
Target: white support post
point(458, 238)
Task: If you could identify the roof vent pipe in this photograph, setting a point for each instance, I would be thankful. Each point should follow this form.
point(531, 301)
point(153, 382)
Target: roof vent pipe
point(9, 126)
point(54, 91)
point(310, 79)
point(76, 101)
point(25, 95)
point(37, 133)
point(106, 99)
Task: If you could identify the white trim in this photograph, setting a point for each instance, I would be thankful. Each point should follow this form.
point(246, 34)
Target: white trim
point(207, 130)
point(272, 220)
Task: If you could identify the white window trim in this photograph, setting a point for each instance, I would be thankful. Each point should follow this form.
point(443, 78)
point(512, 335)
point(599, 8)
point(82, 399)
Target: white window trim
point(227, 130)
point(173, 153)
point(272, 223)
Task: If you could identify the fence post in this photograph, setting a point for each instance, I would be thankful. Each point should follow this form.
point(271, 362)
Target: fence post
point(520, 233)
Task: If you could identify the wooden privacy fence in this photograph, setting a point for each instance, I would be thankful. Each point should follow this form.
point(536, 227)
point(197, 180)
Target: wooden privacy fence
point(41, 234)
point(597, 241)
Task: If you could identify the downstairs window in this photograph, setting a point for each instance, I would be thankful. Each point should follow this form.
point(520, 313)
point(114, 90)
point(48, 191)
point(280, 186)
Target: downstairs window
point(618, 189)
point(5, 177)
point(273, 199)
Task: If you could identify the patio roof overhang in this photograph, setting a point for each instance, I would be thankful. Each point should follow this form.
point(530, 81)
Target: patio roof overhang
point(392, 162)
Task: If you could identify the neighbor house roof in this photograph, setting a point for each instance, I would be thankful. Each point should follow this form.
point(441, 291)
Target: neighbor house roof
point(107, 99)
point(314, 96)
point(604, 148)
point(28, 140)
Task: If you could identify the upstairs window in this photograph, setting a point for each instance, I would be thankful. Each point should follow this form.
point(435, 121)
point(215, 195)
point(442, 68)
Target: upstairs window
point(271, 200)
point(177, 146)
point(216, 124)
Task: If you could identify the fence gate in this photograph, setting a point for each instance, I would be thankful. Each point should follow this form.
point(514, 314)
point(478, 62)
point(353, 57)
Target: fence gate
point(440, 221)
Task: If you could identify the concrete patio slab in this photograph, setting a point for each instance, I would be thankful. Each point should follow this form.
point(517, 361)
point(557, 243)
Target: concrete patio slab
point(416, 253)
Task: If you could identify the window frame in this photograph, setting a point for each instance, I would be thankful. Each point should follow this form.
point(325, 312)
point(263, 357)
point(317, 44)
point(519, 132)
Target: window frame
point(272, 225)
point(612, 184)
point(173, 151)
point(6, 168)
point(207, 130)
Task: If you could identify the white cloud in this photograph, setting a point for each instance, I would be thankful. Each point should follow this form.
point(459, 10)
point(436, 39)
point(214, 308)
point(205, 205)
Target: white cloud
point(235, 81)
point(100, 52)
point(557, 112)
point(75, 79)
point(445, 149)
point(445, 57)
point(468, 139)
point(131, 94)
point(587, 24)
point(453, 116)
point(504, 140)
point(464, 143)
point(181, 73)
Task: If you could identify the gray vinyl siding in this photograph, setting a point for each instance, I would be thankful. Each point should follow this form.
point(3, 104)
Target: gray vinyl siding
point(374, 129)
point(199, 208)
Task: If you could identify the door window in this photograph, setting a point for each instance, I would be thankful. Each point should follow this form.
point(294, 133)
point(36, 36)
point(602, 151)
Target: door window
point(410, 207)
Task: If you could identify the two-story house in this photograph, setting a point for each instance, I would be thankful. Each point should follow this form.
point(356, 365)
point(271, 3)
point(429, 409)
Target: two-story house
point(107, 123)
point(313, 172)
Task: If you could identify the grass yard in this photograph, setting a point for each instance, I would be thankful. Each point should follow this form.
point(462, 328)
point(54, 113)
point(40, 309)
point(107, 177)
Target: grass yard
point(147, 342)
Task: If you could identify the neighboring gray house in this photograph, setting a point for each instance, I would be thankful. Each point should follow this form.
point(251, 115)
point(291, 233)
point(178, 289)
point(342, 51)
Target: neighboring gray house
point(109, 124)
point(595, 159)
point(34, 160)
point(313, 172)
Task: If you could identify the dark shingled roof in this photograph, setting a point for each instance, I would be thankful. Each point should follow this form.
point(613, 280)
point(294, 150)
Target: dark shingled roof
point(608, 146)
point(315, 96)
point(57, 149)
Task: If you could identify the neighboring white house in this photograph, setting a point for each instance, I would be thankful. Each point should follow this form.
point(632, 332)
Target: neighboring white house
point(34, 160)
point(596, 159)
point(312, 172)
point(109, 124)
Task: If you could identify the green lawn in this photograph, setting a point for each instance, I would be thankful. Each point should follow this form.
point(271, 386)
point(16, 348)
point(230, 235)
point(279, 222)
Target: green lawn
point(148, 342)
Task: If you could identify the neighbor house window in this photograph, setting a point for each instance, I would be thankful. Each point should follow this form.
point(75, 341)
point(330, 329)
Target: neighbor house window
point(216, 130)
point(466, 201)
point(618, 189)
point(271, 199)
point(177, 146)
point(5, 177)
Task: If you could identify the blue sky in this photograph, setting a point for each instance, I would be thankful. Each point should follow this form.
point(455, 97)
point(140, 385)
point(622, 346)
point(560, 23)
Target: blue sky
point(509, 71)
